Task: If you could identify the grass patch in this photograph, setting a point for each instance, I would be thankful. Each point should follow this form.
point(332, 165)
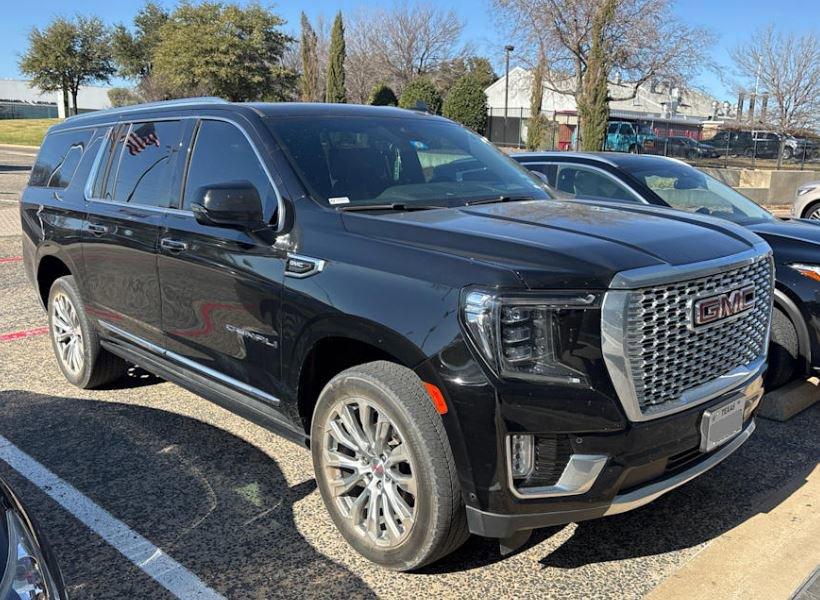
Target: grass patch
point(24, 132)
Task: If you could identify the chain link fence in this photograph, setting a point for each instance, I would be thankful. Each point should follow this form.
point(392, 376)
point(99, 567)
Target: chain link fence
point(25, 110)
point(681, 138)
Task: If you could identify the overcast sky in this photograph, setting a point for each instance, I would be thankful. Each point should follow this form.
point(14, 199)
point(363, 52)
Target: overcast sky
point(730, 21)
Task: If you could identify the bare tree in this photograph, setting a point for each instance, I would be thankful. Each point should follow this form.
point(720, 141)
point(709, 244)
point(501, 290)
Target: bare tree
point(644, 42)
point(788, 68)
point(406, 41)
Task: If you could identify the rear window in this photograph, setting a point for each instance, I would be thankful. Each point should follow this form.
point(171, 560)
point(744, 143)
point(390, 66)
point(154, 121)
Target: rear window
point(58, 158)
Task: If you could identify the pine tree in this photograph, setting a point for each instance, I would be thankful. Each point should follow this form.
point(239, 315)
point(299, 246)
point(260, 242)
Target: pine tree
point(336, 63)
point(309, 81)
point(593, 102)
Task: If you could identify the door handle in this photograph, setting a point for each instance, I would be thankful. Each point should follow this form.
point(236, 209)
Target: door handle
point(173, 246)
point(97, 229)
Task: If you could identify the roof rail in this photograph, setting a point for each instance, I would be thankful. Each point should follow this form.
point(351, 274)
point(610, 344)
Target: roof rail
point(150, 105)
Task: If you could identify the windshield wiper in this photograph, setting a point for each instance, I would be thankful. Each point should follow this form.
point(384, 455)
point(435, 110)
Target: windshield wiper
point(391, 206)
point(495, 199)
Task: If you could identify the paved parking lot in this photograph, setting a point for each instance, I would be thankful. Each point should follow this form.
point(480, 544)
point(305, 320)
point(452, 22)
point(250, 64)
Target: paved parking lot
point(237, 507)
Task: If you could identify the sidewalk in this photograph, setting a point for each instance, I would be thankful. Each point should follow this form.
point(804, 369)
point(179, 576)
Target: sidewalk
point(766, 557)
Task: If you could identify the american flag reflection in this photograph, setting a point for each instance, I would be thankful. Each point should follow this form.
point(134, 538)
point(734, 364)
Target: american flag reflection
point(141, 138)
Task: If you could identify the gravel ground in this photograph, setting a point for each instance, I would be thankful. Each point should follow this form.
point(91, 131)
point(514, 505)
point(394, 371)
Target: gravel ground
point(238, 506)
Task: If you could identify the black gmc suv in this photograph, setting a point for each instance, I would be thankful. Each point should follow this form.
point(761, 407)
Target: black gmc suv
point(460, 355)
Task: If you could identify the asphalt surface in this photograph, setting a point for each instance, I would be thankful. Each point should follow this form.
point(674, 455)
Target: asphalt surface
point(238, 507)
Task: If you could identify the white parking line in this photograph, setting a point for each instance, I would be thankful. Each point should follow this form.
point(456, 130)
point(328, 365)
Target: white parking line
point(152, 560)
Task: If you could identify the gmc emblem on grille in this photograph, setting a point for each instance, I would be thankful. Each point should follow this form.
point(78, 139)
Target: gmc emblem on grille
point(706, 311)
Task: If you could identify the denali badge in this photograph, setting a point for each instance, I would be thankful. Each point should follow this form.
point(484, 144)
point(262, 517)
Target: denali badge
point(709, 310)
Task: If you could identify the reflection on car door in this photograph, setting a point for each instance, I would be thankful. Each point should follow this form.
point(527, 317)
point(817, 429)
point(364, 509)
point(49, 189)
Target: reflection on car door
point(136, 180)
point(221, 287)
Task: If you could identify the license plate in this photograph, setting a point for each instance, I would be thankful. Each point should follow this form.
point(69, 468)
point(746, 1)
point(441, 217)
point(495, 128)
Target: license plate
point(720, 424)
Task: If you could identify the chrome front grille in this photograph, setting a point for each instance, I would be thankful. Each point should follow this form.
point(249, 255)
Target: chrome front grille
point(666, 356)
point(659, 362)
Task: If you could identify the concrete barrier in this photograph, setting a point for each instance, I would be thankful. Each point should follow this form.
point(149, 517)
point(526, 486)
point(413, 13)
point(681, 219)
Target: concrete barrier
point(765, 186)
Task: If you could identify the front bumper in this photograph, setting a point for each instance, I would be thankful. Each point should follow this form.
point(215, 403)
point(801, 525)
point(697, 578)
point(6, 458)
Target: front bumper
point(503, 526)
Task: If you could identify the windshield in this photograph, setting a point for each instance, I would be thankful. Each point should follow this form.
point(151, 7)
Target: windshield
point(383, 160)
point(686, 188)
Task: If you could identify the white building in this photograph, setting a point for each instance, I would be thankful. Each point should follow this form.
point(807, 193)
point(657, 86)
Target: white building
point(673, 109)
point(19, 100)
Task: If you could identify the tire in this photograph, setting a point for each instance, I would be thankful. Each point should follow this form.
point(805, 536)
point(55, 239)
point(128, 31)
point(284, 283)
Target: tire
point(783, 351)
point(749, 153)
point(437, 523)
point(788, 153)
point(812, 212)
point(633, 149)
point(87, 365)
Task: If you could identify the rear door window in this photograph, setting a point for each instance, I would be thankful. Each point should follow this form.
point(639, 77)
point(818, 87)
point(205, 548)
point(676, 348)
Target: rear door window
point(549, 170)
point(584, 182)
point(58, 158)
point(142, 170)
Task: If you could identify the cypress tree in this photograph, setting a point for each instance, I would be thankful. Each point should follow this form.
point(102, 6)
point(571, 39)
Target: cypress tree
point(309, 81)
point(336, 63)
point(593, 103)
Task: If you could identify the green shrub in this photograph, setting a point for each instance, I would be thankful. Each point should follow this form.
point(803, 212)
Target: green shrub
point(466, 103)
point(421, 90)
point(382, 95)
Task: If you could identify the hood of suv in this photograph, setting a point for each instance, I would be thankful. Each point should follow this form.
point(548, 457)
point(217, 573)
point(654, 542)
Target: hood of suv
point(555, 244)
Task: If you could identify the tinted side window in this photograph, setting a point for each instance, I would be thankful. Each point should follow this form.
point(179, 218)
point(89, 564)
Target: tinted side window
point(548, 170)
point(58, 158)
point(222, 154)
point(589, 183)
point(146, 153)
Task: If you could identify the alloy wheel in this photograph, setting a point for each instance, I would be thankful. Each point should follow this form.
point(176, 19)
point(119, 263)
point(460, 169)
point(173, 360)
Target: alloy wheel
point(68, 334)
point(815, 214)
point(370, 472)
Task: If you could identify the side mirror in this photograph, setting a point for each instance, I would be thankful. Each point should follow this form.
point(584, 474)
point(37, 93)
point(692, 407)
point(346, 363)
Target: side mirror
point(232, 204)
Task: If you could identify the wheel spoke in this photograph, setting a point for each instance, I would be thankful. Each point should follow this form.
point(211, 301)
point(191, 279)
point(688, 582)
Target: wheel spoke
point(343, 485)
point(341, 436)
point(405, 482)
point(358, 506)
point(390, 517)
point(350, 422)
point(381, 433)
point(399, 506)
point(397, 456)
point(366, 415)
point(372, 523)
point(342, 461)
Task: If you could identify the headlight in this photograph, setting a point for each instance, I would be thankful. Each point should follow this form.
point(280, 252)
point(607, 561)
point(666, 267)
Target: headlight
point(524, 336)
point(805, 190)
point(810, 271)
point(27, 575)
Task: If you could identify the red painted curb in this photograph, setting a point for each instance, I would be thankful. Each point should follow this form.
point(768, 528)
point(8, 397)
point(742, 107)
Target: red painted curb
point(10, 259)
point(19, 335)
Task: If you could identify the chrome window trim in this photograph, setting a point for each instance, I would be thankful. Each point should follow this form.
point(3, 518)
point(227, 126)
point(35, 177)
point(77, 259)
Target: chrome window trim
point(613, 331)
point(607, 174)
point(563, 154)
point(578, 476)
point(220, 377)
point(95, 167)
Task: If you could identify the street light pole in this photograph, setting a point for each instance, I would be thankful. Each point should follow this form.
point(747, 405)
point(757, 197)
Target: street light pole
point(507, 49)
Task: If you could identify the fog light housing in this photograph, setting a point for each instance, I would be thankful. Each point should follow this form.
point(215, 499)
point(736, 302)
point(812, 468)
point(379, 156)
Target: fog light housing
point(522, 451)
point(751, 403)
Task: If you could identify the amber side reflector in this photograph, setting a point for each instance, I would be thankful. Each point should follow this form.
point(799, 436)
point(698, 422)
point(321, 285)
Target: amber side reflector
point(437, 397)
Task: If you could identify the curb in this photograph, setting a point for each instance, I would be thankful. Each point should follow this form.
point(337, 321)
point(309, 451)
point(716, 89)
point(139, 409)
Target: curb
point(784, 403)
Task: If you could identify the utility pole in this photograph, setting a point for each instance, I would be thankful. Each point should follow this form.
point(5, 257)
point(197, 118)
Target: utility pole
point(507, 49)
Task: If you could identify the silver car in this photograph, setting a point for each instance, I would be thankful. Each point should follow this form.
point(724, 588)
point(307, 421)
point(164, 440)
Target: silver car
point(807, 201)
